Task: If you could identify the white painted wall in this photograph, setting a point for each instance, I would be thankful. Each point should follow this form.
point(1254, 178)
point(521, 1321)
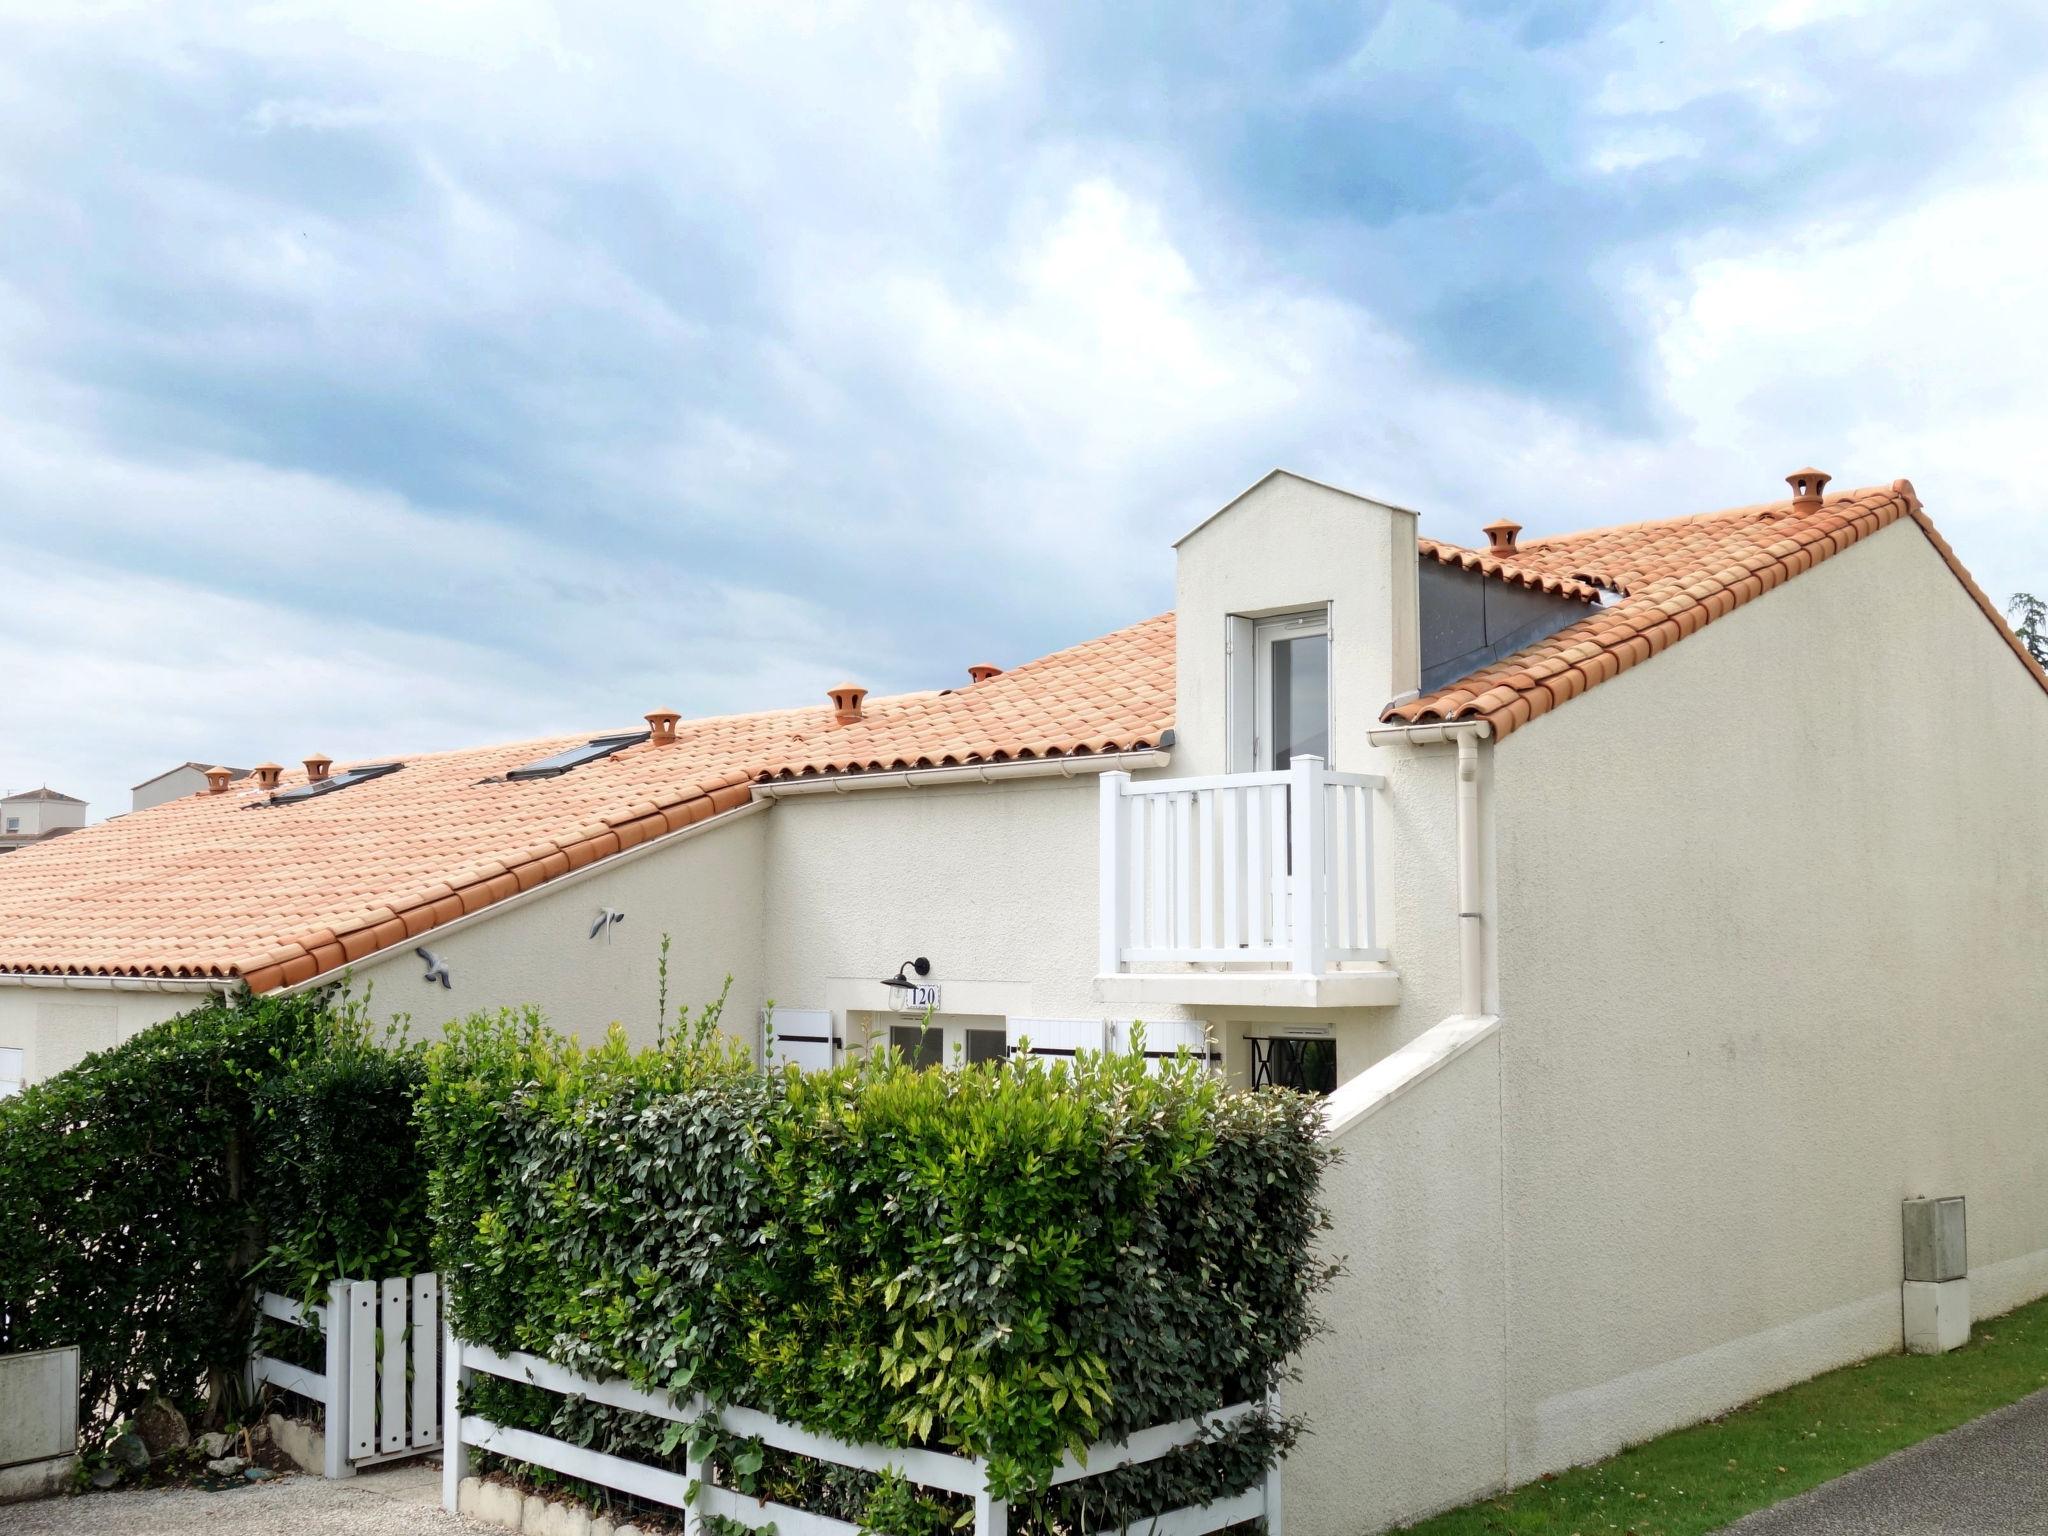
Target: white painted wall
point(175, 785)
point(1769, 936)
point(1774, 963)
point(704, 890)
point(36, 817)
point(1406, 1391)
point(56, 1027)
point(996, 885)
point(1289, 544)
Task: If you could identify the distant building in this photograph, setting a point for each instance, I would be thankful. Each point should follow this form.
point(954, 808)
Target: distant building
point(175, 783)
point(35, 814)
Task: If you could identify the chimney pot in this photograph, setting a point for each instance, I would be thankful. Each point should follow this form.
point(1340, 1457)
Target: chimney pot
point(846, 700)
point(267, 775)
point(1807, 485)
point(316, 767)
point(661, 726)
point(1501, 535)
point(981, 672)
point(217, 780)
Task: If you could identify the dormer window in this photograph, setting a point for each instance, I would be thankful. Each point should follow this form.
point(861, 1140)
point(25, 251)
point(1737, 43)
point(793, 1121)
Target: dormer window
point(1280, 689)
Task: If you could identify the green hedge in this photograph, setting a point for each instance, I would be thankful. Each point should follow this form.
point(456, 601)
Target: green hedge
point(342, 1193)
point(127, 1210)
point(1011, 1260)
point(141, 1190)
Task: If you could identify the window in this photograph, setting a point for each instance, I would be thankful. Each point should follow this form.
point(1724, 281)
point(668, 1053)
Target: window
point(327, 786)
point(11, 1069)
point(943, 1044)
point(1291, 689)
point(575, 757)
point(1306, 1063)
point(14, 823)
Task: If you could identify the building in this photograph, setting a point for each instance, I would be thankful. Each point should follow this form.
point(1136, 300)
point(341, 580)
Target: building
point(36, 814)
point(173, 783)
point(1657, 905)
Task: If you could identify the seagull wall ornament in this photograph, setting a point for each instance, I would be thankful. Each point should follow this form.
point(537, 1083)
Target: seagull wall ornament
point(437, 968)
point(606, 917)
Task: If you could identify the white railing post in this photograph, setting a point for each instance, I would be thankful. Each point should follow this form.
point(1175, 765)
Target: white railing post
point(991, 1516)
point(1113, 895)
point(1272, 1481)
point(454, 1454)
point(334, 1457)
point(1309, 849)
point(362, 1368)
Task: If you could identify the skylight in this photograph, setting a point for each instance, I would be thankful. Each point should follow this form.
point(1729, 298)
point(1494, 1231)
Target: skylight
point(575, 757)
point(332, 782)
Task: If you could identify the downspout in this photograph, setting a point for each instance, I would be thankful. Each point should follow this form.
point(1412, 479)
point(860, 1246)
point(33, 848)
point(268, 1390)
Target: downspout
point(1467, 734)
point(1471, 930)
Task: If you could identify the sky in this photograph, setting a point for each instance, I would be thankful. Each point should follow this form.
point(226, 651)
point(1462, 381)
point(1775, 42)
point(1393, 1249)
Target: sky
point(379, 377)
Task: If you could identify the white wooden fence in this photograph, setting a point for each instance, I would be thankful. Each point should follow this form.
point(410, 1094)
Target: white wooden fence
point(1271, 869)
point(964, 1475)
point(376, 1409)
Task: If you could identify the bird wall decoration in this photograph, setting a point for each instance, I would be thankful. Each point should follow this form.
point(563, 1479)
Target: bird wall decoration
point(437, 968)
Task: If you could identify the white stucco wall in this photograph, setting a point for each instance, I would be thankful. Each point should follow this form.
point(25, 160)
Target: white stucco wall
point(55, 1027)
point(166, 787)
point(1405, 1392)
point(1289, 544)
point(997, 886)
point(1772, 959)
point(1769, 921)
point(702, 888)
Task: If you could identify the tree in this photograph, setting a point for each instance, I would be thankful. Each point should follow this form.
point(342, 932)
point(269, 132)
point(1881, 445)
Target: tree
point(2029, 616)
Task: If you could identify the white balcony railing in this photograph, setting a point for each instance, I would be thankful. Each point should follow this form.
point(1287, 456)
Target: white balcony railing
point(1257, 869)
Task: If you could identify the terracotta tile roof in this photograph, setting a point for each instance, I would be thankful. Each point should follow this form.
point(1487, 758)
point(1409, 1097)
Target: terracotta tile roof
point(45, 793)
point(225, 885)
point(1515, 573)
point(1672, 576)
point(1113, 694)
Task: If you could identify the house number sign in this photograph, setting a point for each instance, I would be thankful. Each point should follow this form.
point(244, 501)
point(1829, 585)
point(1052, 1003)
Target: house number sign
point(916, 999)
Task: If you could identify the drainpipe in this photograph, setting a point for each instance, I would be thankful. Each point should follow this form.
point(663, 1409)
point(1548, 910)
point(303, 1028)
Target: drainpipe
point(1467, 734)
point(1471, 933)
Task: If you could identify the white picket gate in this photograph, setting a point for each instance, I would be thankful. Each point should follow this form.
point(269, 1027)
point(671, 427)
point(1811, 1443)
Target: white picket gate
point(964, 1475)
point(374, 1329)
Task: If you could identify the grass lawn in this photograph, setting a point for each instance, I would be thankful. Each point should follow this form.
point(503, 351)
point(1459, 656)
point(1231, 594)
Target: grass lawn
point(1699, 1479)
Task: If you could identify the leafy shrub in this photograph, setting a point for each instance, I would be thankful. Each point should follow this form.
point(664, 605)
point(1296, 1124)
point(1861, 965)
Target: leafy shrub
point(141, 1189)
point(1010, 1260)
point(127, 1205)
point(342, 1195)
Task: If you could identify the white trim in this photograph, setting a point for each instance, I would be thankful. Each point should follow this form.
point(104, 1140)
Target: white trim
point(1428, 734)
point(1070, 767)
point(1395, 1073)
point(545, 888)
point(1288, 474)
point(1260, 989)
point(192, 984)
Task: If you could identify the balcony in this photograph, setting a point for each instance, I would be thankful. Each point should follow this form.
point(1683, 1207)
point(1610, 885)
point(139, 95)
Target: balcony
point(1247, 888)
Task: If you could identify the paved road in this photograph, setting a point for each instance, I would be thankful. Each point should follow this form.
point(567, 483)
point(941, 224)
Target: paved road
point(402, 1500)
point(1989, 1478)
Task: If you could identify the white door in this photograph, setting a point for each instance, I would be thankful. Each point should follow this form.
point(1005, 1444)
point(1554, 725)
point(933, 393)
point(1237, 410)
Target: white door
point(1291, 689)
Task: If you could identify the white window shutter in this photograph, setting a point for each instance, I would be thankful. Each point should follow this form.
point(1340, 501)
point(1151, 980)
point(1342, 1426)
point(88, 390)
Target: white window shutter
point(1164, 1037)
point(801, 1035)
point(1059, 1038)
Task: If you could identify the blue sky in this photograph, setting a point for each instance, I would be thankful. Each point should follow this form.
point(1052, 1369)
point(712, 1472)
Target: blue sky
point(379, 377)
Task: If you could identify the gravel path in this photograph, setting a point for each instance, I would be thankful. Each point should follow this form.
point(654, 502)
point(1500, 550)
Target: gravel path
point(1988, 1478)
point(403, 1500)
